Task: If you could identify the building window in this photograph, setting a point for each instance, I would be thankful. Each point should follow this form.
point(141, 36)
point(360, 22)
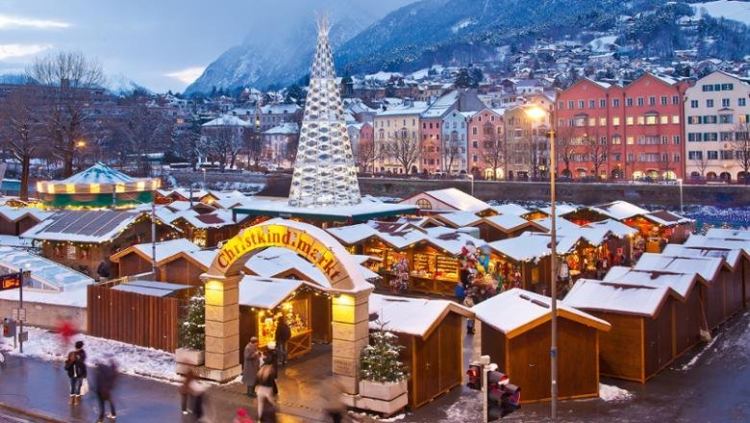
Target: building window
point(742, 102)
point(664, 100)
point(581, 104)
point(725, 136)
point(592, 104)
point(651, 120)
point(629, 102)
point(642, 120)
point(695, 155)
point(616, 139)
point(710, 103)
point(603, 103)
point(616, 121)
point(631, 140)
point(663, 120)
point(652, 101)
point(724, 102)
point(713, 155)
point(424, 204)
point(629, 120)
point(726, 155)
point(675, 99)
point(571, 104)
point(676, 139)
point(726, 119)
point(676, 158)
point(640, 101)
point(710, 136)
point(615, 102)
point(694, 104)
point(676, 119)
point(602, 121)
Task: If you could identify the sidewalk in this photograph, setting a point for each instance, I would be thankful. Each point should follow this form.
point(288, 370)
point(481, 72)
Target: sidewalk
point(40, 389)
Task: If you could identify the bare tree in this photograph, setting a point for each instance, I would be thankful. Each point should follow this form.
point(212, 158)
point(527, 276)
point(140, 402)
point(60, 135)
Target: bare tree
point(565, 147)
point(145, 130)
point(71, 78)
point(741, 149)
point(366, 155)
point(253, 143)
point(186, 142)
point(404, 150)
point(596, 150)
point(494, 151)
point(224, 143)
point(450, 151)
point(21, 131)
point(701, 163)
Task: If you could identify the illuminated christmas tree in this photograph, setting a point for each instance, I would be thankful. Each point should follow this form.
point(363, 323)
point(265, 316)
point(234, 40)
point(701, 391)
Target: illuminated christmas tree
point(324, 170)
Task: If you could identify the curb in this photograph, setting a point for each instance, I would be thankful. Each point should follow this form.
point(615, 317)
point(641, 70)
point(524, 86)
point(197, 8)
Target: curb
point(34, 414)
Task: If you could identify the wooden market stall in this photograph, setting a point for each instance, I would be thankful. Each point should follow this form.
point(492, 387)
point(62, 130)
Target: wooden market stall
point(708, 268)
point(138, 259)
point(641, 341)
point(431, 332)
point(83, 239)
point(514, 328)
point(207, 229)
point(263, 301)
point(688, 308)
point(15, 220)
point(448, 200)
point(738, 243)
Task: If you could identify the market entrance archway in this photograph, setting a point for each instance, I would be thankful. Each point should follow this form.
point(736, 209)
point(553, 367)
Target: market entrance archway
point(349, 305)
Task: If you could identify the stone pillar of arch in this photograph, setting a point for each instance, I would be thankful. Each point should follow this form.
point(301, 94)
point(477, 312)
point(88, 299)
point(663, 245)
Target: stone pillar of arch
point(222, 327)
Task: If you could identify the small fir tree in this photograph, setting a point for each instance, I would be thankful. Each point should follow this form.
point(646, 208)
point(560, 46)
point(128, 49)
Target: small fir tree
point(193, 327)
point(379, 361)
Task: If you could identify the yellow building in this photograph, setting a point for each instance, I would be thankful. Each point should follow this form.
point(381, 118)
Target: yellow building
point(397, 138)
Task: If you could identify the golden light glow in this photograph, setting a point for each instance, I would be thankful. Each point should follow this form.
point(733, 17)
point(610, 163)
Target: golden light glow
point(70, 188)
point(155, 183)
point(343, 309)
point(140, 186)
point(535, 112)
point(214, 292)
point(95, 188)
point(80, 143)
point(39, 187)
point(119, 188)
point(51, 188)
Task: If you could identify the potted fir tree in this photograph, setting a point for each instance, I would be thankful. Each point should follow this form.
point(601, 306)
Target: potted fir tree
point(383, 377)
point(192, 332)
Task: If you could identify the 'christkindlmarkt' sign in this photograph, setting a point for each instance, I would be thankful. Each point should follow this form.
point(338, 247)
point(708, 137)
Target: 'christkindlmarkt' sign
point(264, 236)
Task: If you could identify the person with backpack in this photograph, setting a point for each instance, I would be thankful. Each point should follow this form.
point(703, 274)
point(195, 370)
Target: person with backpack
point(75, 366)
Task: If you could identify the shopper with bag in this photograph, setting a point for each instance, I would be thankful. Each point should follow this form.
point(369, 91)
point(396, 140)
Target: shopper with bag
point(75, 366)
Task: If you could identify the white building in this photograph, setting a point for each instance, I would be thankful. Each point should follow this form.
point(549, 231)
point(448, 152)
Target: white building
point(716, 114)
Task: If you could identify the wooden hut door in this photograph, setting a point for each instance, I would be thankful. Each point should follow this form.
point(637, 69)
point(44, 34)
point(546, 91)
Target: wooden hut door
point(451, 366)
point(428, 368)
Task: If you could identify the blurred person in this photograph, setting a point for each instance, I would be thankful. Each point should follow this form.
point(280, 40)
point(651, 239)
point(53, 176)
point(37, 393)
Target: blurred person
point(192, 392)
point(269, 412)
point(331, 393)
point(265, 383)
point(251, 365)
point(104, 383)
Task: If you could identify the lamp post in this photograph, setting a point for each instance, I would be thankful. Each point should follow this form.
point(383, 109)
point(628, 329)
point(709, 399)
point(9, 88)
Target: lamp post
point(471, 176)
point(679, 182)
point(537, 112)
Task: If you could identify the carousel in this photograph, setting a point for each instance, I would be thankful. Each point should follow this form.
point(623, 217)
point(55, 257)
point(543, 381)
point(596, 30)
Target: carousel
point(99, 186)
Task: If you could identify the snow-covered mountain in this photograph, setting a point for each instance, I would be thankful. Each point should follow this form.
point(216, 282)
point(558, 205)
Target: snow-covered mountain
point(279, 51)
point(121, 85)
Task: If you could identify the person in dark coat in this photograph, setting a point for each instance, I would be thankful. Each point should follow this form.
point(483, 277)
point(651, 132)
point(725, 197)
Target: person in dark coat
point(75, 366)
point(266, 381)
point(282, 336)
point(251, 365)
point(104, 270)
point(104, 383)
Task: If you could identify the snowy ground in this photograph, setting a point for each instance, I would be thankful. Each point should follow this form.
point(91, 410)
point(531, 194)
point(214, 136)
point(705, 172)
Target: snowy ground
point(133, 360)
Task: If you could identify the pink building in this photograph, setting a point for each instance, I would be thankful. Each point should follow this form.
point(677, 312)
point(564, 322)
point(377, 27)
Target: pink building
point(486, 144)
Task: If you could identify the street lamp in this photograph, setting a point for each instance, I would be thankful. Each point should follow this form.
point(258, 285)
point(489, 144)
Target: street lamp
point(471, 176)
point(537, 113)
point(679, 182)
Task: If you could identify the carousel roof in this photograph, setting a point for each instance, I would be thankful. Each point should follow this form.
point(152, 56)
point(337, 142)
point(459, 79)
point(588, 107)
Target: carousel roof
point(98, 179)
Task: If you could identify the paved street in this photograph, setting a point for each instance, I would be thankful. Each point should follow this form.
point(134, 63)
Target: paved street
point(710, 388)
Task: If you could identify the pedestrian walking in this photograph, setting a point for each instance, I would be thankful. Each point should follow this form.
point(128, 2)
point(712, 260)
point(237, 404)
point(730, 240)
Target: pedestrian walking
point(264, 386)
point(251, 366)
point(104, 384)
point(282, 335)
point(75, 365)
point(191, 392)
point(331, 393)
point(269, 412)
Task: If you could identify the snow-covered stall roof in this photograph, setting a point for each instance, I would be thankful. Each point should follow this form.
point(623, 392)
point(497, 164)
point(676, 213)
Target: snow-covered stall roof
point(529, 246)
point(458, 219)
point(704, 241)
point(398, 235)
point(707, 267)
point(722, 233)
point(14, 214)
point(560, 209)
point(451, 240)
point(215, 219)
point(681, 283)
point(459, 200)
point(353, 234)
point(266, 293)
point(615, 227)
point(94, 226)
point(99, 173)
point(151, 288)
point(620, 210)
point(667, 218)
point(511, 209)
point(516, 311)
point(731, 256)
point(562, 224)
point(45, 274)
point(164, 249)
point(510, 222)
point(411, 316)
point(611, 296)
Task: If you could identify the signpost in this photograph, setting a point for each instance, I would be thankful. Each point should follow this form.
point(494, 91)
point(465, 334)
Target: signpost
point(13, 281)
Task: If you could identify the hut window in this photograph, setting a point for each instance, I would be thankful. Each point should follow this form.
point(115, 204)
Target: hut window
point(424, 204)
point(70, 252)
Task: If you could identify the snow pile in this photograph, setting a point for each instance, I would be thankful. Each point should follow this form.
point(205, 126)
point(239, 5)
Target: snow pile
point(466, 409)
point(689, 365)
point(613, 393)
point(131, 359)
point(377, 418)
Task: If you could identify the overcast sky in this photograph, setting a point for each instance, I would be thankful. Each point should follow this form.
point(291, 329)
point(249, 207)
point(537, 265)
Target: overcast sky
point(162, 44)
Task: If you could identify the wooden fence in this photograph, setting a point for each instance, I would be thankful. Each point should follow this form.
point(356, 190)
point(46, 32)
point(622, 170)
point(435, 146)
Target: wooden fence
point(133, 318)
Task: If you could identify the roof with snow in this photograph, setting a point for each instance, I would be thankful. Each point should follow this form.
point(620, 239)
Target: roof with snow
point(267, 293)
point(442, 105)
point(530, 246)
point(99, 173)
point(215, 219)
point(228, 120)
point(510, 208)
point(412, 316)
point(288, 128)
point(458, 219)
point(45, 274)
point(15, 214)
point(730, 255)
point(151, 288)
point(728, 233)
point(280, 109)
point(681, 283)
point(707, 267)
point(620, 210)
point(454, 198)
point(93, 226)
point(516, 311)
point(412, 108)
point(164, 249)
point(611, 296)
point(510, 222)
